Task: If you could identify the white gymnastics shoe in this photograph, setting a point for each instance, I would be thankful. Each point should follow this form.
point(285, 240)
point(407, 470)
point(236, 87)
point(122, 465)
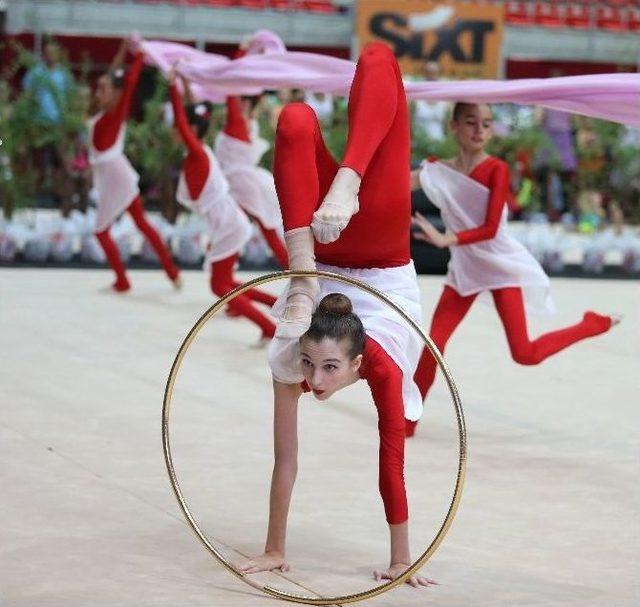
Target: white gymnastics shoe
point(303, 292)
point(338, 207)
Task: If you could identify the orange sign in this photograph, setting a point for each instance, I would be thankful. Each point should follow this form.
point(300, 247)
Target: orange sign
point(462, 37)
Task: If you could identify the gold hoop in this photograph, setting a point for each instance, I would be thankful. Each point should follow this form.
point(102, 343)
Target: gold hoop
point(462, 438)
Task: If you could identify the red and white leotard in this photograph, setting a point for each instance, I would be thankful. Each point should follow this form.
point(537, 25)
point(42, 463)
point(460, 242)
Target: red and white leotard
point(486, 257)
point(239, 151)
point(203, 189)
point(114, 179)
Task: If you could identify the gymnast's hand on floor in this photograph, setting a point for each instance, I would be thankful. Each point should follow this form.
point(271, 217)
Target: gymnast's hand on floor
point(269, 561)
point(396, 570)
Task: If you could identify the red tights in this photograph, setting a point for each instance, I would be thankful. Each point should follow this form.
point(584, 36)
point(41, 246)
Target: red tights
point(222, 282)
point(452, 308)
point(136, 210)
point(275, 244)
point(377, 149)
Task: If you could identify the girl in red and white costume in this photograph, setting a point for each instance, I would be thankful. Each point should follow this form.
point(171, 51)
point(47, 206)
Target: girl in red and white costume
point(330, 350)
point(471, 191)
point(239, 148)
point(203, 189)
point(114, 179)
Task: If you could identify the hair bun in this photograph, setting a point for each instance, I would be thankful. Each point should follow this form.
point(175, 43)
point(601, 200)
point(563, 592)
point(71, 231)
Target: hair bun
point(335, 304)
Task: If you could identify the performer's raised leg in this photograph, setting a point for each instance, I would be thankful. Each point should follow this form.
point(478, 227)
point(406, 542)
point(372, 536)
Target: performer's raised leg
point(373, 105)
point(304, 171)
point(510, 306)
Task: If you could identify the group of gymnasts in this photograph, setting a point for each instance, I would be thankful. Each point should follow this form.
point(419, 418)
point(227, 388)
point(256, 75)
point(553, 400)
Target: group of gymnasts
point(226, 189)
point(352, 218)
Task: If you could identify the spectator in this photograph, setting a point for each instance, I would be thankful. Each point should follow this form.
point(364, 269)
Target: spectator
point(557, 180)
point(430, 116)
point(50, 83)
point(322, 105)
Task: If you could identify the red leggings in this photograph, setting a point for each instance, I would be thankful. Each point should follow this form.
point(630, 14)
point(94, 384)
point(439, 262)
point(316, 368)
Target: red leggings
point(275, 244)
point(136, 210)
point(235, 125)
point(378, 149)
point(222, 282)
point(452, 308)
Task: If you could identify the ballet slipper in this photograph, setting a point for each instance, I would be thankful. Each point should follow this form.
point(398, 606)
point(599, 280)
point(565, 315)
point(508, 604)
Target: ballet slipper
point(178, 283)
point(262, 343)
point(296, 317)
point(600, 322)
point(119, 286)
point(339, 205)
point(303, 292)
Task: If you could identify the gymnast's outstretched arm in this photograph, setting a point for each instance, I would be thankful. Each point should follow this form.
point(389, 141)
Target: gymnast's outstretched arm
point(285, 430)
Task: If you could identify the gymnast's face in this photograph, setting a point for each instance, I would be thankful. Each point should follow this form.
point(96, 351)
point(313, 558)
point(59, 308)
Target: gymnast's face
point(106, 95)
point(327, 366)
point(473, 128)
point(177, 136)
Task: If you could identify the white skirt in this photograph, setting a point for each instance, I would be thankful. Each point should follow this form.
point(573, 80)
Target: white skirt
point(255, 192)
point(252, 187)
point(116, 183)
point(229, 230)
point(227, 226)
point(497, 263)
point(383, 324)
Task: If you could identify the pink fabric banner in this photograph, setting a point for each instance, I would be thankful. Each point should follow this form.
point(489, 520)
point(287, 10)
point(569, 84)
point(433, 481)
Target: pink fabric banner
point(614, 97)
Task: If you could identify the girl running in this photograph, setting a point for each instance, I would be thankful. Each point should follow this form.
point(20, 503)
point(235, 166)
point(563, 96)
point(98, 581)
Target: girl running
point(471, 191)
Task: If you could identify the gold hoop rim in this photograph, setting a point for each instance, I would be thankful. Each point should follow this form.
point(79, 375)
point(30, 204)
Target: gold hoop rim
point(462, 441)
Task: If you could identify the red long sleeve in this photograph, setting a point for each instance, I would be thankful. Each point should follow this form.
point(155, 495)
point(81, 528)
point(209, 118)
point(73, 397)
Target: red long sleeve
point(494, 174)
point(108, 126)
point(196, 164)
point(235, 125)
point(385, 381)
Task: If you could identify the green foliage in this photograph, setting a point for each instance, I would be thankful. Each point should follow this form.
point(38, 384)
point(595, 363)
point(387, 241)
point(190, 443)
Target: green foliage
point(335, 135)
point(150, 145)
point(23, 133)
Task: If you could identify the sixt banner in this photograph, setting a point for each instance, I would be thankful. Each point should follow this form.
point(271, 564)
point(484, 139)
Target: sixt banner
point(464, 38)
